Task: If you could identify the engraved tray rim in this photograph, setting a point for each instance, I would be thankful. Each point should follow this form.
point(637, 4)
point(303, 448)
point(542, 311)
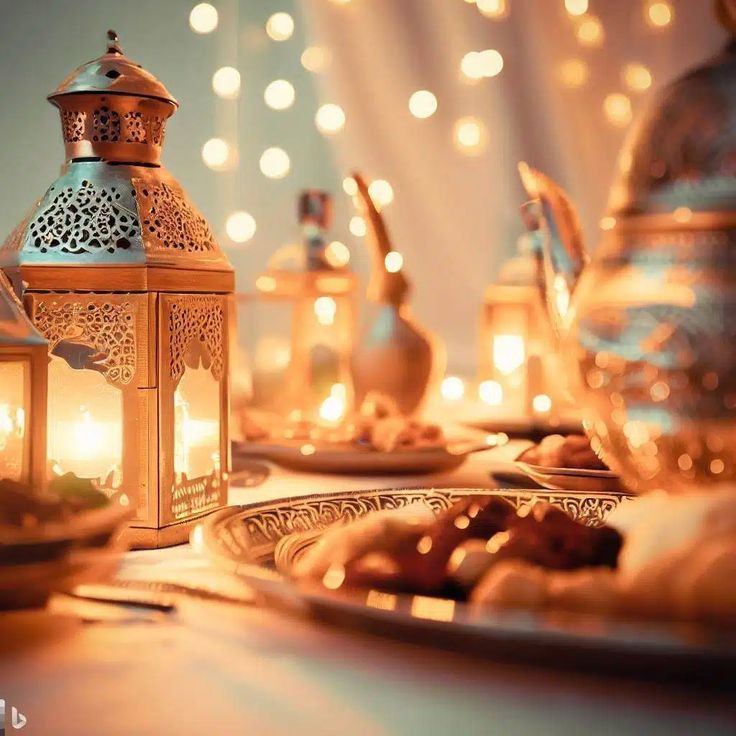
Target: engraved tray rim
point(665, 650)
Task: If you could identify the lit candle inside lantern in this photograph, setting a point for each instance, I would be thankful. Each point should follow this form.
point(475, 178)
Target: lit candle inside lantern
point(86, 446)
point(85, 432)
point(332, 409)
point(196, 425)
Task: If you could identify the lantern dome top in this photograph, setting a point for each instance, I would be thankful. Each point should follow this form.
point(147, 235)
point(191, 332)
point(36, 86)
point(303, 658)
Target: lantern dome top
point(680, 154)
point(15, 327)
point(114, 203)
point(113, 73)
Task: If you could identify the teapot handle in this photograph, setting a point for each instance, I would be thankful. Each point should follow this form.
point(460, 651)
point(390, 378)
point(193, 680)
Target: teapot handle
point(553, 214)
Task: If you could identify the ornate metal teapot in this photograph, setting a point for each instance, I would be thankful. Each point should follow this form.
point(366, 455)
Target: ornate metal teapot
point(649, 324)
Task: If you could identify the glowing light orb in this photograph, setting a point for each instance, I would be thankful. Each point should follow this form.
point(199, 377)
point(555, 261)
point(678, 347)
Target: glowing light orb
point(637, 77)
point(573, 73)
point(452, 388)
point(240, 226)
point(393, 261)
point(330, 119)
point(590, 32)
point(422, 104)
point(280, 27)
point(617, 108)
point(203, 18)
point(216, 153)
point(357, 226)
point(382, 193)
point(279, 94)
point(469, 135)
point(274, 163)
point(226, 82)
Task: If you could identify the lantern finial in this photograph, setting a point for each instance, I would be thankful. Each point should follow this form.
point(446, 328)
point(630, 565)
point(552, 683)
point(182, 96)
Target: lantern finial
point(113, 47)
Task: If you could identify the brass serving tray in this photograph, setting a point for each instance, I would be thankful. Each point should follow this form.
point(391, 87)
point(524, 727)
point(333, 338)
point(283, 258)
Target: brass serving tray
point(258, 542)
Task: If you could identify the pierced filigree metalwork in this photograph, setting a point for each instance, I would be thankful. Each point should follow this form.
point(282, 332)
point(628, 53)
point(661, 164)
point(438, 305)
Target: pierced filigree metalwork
point(109, 328)
point(105, 125)
point(252, 533)
point(89, 219)
point(170, 221)
point(72, 125)
point(198, 318)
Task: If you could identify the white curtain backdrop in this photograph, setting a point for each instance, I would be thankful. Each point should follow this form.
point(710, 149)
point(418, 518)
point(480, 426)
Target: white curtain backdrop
point(454, 217)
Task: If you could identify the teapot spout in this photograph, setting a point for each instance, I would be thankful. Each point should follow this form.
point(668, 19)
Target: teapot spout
point(552, 214)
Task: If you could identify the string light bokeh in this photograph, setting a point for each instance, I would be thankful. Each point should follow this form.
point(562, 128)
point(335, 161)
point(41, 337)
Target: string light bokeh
point(263, 114)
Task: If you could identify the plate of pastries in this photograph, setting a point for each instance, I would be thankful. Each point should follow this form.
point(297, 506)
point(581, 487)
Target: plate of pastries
point(377, 440)
point(600, 580)
point(567, 462)
point(53, 540)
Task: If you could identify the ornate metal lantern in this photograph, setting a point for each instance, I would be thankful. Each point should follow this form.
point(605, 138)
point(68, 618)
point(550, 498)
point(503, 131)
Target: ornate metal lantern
point(126, 282)
point(302, 365)
point(518, 367)
point(23, 359)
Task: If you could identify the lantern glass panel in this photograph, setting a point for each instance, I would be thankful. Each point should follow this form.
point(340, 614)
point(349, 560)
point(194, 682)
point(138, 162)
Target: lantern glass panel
point(197, 424)
point(85, 428)
point(14, 388)
point(299, 346)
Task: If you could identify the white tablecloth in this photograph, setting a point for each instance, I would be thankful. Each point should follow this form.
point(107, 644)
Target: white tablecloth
point(218, 668)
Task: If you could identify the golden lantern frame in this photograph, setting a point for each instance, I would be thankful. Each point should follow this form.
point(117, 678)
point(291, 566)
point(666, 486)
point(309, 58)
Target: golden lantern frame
point(124, 274)
point(20, 342)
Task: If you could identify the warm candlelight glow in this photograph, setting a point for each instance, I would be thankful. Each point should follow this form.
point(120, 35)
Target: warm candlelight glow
point(333, 407)
point(573, 73)
point(337, 254)
point(240, 226)
point(495, 9)
point(452, 388)
point(637, 77)
point(226, 83)
point(576, 7)
point(325, 309)
point(274, 163)
point(316, 59)
point(381, 192)
point(541, 403)
point(330, 119)
point(658, 14)
point(422, 104)
point(393, 261)
point(491, 393)
point(590, 31)
point(469, 135)
point(203, 18)
point(509, 353)
point(280, 26)
point(12, 419)
point(279, 94)
point(196, 424)
point(85, 424)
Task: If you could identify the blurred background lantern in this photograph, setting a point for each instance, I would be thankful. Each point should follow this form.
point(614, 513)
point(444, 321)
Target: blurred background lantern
point(302, 318)
point(519, 370)
point(23, 364)
point(127, 284)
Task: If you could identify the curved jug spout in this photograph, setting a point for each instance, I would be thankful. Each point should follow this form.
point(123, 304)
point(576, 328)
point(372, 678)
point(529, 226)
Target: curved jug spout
point(552, 213)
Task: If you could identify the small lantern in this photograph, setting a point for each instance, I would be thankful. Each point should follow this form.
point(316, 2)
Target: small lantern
point(23, 359)
point(517, 362)
point(301, 366)
point(127, 284)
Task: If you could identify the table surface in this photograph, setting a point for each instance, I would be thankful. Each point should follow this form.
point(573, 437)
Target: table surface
point(222, 668)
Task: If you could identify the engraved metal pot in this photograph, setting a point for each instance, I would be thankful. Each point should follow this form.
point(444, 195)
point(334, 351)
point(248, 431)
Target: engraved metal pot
point(649, 324)
point(125, 280)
